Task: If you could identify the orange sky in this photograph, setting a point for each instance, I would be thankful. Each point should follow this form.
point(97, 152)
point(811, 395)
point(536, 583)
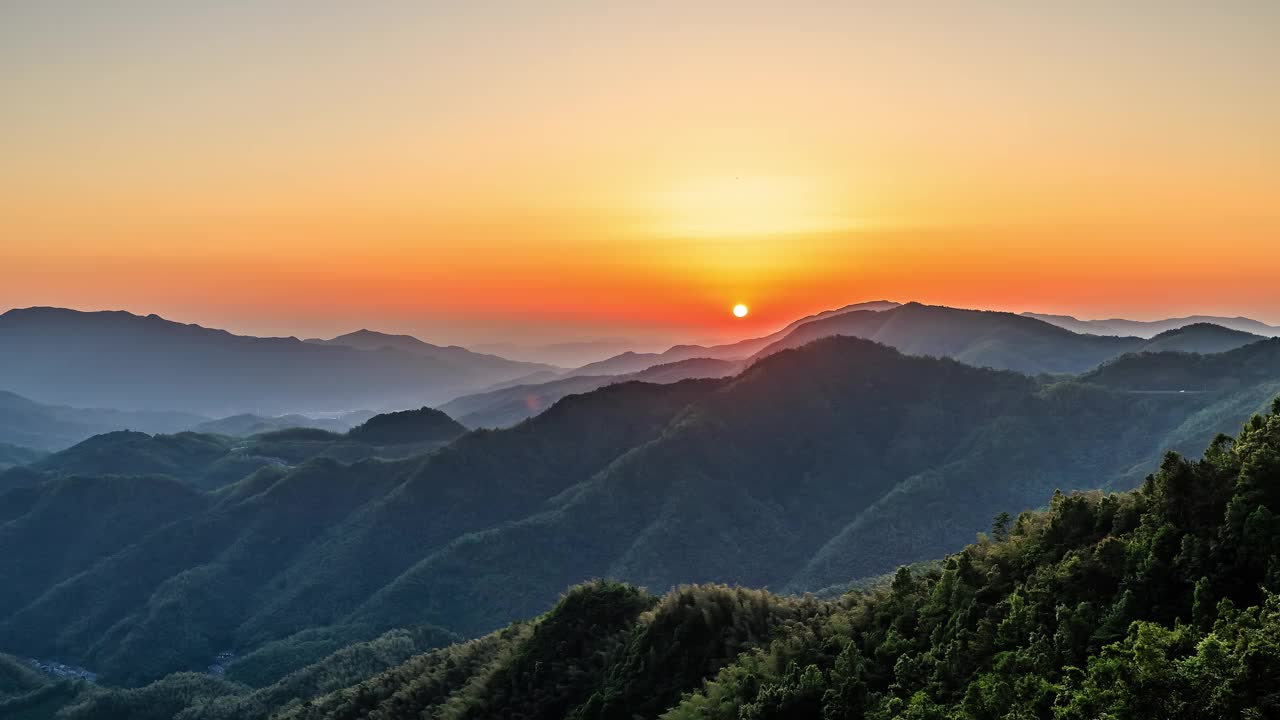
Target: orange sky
point(562, 170)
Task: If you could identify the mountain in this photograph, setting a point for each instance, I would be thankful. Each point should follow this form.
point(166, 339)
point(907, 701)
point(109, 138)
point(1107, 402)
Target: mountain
point(408, 426)
point(982, 338)
point(999, 340)
point(838, 460)
point(1151, 328)
point(214, 460)
point(11, 455)
point(1202, 338)
point(247, 424)
point(631, 362)
point(1151, 604)
point(627, 362)
point(565, 354)
point(1028, 343)
point(121, 360)
point(452, 354)
point(505, 407)
point(53, 427)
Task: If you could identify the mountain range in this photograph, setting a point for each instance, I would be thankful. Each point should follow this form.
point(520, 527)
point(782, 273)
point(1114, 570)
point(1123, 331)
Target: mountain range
point(815, 459)
point(1154, 603)
point(1150, 328)
point(30, 424)
point(838, 460)
point(132, 363)
point(983, 339)
point(128, 362)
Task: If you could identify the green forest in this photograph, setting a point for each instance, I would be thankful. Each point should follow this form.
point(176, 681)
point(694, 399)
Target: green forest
point(1156, 603)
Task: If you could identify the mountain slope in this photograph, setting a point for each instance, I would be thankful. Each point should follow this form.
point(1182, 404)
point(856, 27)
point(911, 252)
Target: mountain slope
point(631, 362)
point(282, 551)
point(837, 460)
point(120, 360)
point(1151, 604)
point(1202, 338)
point(808, 469)
point(772, 471)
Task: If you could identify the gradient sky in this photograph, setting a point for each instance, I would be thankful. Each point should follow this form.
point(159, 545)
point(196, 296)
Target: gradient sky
point(561, 170)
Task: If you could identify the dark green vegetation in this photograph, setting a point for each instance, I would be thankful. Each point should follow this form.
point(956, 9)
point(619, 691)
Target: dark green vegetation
point(121, 360)
point(166, 577)
point(409, 426)
point(1155, 604)
point(817, 466)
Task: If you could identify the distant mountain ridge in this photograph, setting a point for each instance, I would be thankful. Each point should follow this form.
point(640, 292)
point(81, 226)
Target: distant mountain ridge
point(121, 360)
point(975, 337)
point(373, 340)
point(246, 424)
point(507, 406)
point(1150, 328)
point(211, 461)
point(32, 424)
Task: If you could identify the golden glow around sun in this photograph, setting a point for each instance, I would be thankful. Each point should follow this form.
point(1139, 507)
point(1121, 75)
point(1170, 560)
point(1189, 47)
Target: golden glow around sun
point(740, 310)
point(744, 206)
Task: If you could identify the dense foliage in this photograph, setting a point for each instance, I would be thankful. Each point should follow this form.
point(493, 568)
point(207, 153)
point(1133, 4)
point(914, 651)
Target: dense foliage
point(410, 426)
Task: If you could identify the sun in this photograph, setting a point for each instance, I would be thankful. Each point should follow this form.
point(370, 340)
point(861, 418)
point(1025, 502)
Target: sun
point(740, 310)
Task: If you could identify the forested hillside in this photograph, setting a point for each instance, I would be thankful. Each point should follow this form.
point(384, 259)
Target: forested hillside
point(1152, 604)
point(829, 463)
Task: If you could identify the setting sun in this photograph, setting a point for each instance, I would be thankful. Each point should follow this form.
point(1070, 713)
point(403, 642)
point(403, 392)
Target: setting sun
point(740, 310)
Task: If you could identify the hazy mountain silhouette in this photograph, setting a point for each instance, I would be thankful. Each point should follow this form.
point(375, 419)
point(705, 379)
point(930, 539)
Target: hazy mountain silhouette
point(507, 406)
point(1151, 328)
point(453, 354)
point(563, 354)
point(53, 427)
point(998, 340)
point(629, 362)
point(213, 460)
point(246, 424)
point(120, 360)
point(987, 339)
point(12, 455)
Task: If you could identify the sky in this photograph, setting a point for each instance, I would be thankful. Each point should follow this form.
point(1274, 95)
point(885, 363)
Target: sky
point(551, 171)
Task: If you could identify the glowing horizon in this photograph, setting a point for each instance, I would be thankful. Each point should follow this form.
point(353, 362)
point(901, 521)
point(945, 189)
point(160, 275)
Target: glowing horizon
point(558, 171)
